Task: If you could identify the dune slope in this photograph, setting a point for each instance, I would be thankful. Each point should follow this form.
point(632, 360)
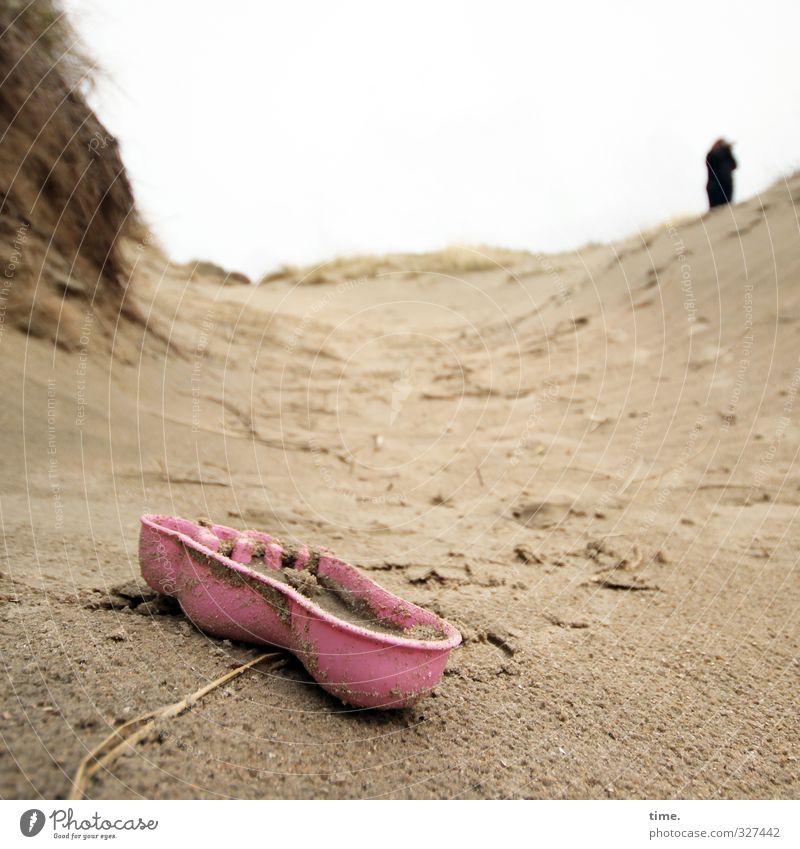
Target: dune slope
point(587, 462)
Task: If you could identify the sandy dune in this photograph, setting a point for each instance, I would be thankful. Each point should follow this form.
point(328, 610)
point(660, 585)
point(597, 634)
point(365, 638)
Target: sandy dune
point(587, 462)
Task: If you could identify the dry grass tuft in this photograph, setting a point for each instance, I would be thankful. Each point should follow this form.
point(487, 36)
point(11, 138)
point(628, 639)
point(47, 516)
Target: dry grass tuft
point(455, 259)
point(65, 199)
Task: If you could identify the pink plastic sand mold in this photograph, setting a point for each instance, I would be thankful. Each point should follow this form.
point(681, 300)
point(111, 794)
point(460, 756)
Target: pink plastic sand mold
point(392, 659)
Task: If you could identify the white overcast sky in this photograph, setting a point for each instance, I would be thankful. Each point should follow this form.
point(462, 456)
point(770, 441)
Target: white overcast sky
point(262, 133)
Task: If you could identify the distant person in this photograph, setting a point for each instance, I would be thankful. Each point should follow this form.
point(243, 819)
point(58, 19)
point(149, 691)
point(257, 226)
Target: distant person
point(720, 164)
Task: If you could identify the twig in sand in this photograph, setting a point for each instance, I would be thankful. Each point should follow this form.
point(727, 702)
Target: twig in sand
point(724, 486)
point(135, 730)
point(609, 583)
point(477, 466)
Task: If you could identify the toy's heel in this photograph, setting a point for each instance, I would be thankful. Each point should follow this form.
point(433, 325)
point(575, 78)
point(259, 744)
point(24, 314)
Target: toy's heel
point(159, 556)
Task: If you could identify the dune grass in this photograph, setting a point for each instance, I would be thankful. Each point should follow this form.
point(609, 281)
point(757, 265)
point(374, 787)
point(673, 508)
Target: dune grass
point(453, 260)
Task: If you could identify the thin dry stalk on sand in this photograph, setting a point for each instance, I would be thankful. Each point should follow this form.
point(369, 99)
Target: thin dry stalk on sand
point(137, 729)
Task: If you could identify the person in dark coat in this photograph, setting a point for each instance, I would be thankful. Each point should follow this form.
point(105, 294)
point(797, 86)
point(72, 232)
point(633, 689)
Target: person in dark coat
point(720, 164)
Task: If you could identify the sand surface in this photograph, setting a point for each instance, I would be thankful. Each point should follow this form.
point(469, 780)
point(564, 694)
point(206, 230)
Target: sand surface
point(586, 462)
